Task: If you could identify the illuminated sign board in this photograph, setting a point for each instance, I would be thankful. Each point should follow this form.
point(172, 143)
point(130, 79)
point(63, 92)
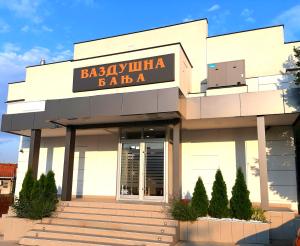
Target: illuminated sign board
point(143, 71)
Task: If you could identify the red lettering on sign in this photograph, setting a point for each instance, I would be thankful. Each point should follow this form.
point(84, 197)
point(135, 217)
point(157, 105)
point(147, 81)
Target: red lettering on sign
point(160, 63)
point(101, 82)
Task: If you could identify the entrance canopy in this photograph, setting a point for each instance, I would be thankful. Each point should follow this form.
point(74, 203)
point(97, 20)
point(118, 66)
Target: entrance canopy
point(90, 111)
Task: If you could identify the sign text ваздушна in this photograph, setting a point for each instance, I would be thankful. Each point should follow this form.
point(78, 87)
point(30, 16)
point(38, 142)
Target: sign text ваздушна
point(127, 73)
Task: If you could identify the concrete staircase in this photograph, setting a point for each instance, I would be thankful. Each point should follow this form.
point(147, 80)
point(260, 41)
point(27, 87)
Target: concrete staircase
point(79, 223)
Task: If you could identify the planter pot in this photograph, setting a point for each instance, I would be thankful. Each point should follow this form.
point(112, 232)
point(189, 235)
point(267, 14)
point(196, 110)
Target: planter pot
point(224, 231)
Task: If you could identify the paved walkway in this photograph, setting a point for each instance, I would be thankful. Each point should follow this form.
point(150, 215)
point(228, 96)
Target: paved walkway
point(8, 243)
point(14, 243)
point(214, 244)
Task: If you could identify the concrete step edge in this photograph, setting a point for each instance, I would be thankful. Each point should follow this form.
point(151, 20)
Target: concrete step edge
point(63, 241)
point(125, 219)
point(115, 215)
point(114, 229)
point(123, 240)
point(110, 222)
point(107, 233)
point(146, 214)
point(137, 206)
point(101, 229)
point(162, 209)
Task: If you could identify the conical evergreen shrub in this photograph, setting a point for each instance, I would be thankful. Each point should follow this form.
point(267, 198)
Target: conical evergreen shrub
point(22, 205)
point(218, 206)
point(27, 185)
point(36, 191)
point(51, 190)
point(36, 210)
point(50, 185)
point(42, 184)
point(38, 198)
point(240, 204)
point(183, 211)
point(199, 199)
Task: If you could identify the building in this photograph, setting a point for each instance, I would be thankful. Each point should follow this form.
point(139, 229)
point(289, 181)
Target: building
point(140, 116)
point(7, 178)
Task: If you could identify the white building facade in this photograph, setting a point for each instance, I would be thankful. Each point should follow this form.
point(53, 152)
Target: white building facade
point(141, 116)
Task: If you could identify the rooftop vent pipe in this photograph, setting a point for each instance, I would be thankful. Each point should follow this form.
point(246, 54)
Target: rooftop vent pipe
point(43, 61)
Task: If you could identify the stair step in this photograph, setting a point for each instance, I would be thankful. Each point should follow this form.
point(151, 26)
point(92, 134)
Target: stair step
point(79, 223)
point(118, 218)
point(117, 205)
point(92, 238)
point(103, 232)
point(111, 225)
point(113, 211)
point(58, 242)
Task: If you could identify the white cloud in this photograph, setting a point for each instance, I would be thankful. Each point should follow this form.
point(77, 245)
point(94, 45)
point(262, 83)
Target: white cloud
point(5, 140)
point(250, 19)
point(25, 28)
point(10, 47)
point(218, 22)
point(47, 29)
point(247, 14)
point(214, 8)
point(28, 9)
point(13, 60)
point(9, 148)
point(86, 2)
point(291, 19)
point(187, 19)
point(221, 18)
point(59, 46)
point(4, 27)
point(61, 55)
point(36, 29)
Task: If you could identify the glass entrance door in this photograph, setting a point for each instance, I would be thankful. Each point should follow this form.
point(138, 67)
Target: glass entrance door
point(130, 170)
point(142, 170)
point(154, 170)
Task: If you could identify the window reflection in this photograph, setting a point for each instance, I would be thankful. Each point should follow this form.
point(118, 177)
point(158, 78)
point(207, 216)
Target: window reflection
point(143, 133)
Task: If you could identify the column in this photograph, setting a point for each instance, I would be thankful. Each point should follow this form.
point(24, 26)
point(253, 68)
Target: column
point(177, 169)
point(34, 151)
point(66, 193)
point(262, 160)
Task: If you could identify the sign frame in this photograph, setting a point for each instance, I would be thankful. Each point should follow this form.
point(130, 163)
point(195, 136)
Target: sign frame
point(142, 71)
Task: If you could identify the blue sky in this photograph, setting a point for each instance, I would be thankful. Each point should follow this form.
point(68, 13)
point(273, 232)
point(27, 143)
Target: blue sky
point(32, 29)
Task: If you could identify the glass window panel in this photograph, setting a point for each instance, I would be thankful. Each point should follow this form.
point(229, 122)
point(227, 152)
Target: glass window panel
point(131, 133)
point(154, 169)
point(5, 184)
point(154, 132)
point(130, 168)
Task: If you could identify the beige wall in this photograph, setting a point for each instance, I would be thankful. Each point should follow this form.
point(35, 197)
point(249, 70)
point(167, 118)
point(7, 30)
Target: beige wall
point(22, 162)
point(55, 81)
point(256, 84)
point(264, 50)
point(204, 151)
point(25, 107)
point(281, 165)
point(191, 35)
point(95, 163)
point(16, 91)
